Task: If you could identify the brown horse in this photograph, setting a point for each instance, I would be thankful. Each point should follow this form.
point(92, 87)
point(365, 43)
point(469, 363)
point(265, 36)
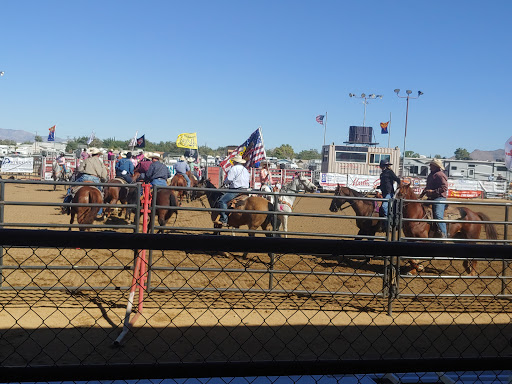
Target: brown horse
point(179, 181)
point(366, 208)
point(237, 219)
point(461, 229)
point(122, 194)
point(85, 214)
point(166, 197)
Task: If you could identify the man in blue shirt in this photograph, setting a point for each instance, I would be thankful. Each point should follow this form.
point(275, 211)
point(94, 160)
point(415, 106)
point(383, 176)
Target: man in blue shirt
point(125, 168)
point(157, 173)
point(237, 178)
point(181, 168)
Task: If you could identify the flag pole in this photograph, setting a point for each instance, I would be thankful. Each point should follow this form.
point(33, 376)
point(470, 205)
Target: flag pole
point(135, 141)
point(389, 129)
point(325, 126)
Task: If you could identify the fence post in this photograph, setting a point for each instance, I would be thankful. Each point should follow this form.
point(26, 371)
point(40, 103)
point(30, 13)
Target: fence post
point(2, 199)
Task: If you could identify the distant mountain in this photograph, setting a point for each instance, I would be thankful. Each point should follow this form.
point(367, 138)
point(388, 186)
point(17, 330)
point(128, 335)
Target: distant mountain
point(498, 154)
point(20, 136)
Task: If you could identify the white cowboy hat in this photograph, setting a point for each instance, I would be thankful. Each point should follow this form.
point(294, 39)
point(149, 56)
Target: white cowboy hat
point(191, 159)
point(182, 158)
point(438, 163)
point(238, 159)
point(95, 151)
point(154, 156)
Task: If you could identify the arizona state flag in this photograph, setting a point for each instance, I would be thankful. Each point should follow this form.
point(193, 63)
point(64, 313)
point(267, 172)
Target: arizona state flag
point(384, 128)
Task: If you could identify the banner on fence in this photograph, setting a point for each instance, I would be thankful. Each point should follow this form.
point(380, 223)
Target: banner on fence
point(363, 183)
point(329, 181)
point(18, 164)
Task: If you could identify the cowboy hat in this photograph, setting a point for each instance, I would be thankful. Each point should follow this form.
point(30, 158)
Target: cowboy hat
point(95, 151)
point(384, 163)
point(238, 159)
point(190, 159)
point(182, 158)
point(155, 156)
point(438, 163)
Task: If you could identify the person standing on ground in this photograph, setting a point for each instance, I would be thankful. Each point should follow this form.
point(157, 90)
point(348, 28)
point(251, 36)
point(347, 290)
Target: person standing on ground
point(437, 190)
point(387, 178)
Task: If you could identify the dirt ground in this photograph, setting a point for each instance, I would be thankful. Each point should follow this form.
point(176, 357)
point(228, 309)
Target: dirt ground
point(210, 314)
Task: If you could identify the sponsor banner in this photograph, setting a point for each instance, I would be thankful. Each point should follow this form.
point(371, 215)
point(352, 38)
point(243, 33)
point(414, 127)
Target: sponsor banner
point(464, 194)
point(464, 185)
point(18, 164)
point(329, 181)
point(363, 183)
point(494, 186)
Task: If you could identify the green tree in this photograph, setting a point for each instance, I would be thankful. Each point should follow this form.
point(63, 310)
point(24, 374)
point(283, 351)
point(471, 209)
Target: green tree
point(7, 142)
point(309, 154)
point(412, 154)
point(284, 151)
point(38, 139)
point(437, 157)
point(462, 154)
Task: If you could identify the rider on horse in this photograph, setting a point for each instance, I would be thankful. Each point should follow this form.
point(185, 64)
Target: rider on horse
point(181, 168)
point(125, 168)
point(237, 178)
point(61, 160)
point(157, 173)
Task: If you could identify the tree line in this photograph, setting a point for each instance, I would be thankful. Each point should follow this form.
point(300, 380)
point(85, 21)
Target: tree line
point(284, 151)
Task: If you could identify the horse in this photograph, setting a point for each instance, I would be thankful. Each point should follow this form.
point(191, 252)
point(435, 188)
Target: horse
point(85, 214)
point(461, 229)
point(166, 197)
point(365, 208)
point(237, 219)
point(286, 202)
point(178, 180)
point(58, 174)
point(123, 194)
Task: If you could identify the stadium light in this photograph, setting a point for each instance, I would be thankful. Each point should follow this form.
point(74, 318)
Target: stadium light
point(2, 73)
point(365, 98)
point(408, 92)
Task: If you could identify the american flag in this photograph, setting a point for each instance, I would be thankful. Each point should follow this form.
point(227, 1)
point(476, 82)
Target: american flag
point(252, 151)
point(320, 119)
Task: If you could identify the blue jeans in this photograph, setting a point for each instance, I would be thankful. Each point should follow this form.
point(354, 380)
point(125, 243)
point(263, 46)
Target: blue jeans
point(438, 213)
point(159, 182)
point(127, 177)
point(186, 178)
point(385, 205)
point(95, 179)
point(223, 204)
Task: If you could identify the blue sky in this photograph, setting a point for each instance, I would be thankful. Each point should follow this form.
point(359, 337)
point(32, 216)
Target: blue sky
point(223, 68)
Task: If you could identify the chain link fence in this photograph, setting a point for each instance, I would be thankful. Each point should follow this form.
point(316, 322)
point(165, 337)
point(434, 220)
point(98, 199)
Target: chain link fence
point(193, 304)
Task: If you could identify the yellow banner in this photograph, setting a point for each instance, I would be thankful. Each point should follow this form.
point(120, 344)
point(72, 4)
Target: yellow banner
point(187, 140)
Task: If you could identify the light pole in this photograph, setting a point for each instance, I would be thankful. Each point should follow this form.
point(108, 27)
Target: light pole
point(364, 97)
point(408, 92)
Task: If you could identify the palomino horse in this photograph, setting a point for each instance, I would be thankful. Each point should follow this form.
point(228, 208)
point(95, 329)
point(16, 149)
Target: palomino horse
point(59, 175)
point(361, 208)
point(123, 194)
point(461, 229)
point(286, 202)
point(85, 214)
point(166, 198)
point(179, 181)
point(237, 219)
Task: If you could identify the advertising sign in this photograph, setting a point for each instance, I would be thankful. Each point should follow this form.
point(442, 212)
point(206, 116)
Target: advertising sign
point(18, 164)
point(329, 181)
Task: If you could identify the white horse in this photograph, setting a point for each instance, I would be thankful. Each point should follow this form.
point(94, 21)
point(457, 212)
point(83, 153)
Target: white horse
point(59, 175)
point(286, 202)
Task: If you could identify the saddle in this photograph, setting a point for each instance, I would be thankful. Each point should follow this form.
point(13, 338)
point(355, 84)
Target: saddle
point(237, 201)
point(76, 188)
point(123, 181)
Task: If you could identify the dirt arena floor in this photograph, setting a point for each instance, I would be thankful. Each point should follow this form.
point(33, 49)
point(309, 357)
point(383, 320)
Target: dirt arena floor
point(210, 315)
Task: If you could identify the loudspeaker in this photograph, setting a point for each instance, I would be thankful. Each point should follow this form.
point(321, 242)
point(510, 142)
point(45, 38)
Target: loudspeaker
point(360, 135)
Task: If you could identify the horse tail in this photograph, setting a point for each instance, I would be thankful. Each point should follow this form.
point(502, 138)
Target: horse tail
point(269, 220)
point(490, 229)
point(173, 202)
point(93, 197)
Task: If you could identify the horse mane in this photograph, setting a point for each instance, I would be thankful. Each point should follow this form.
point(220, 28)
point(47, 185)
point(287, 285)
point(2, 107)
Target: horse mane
point(408, 193)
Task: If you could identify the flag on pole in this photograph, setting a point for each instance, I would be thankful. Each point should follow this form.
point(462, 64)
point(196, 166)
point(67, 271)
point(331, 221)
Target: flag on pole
point(140, 142)
point(133, 141)
point(384, 128)
point(252, 151)
point(51, 135)
point(91, 138)
point(187, 140)
point(320, 119)
point(508, 153)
